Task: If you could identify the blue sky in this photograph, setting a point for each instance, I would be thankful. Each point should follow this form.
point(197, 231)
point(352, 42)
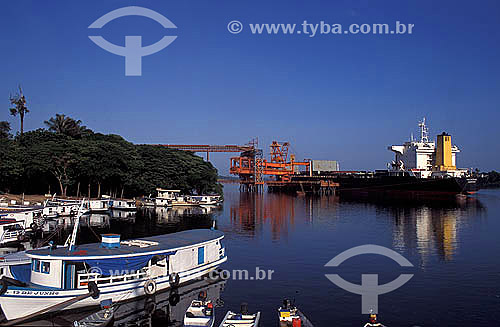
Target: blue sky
point(343, 97)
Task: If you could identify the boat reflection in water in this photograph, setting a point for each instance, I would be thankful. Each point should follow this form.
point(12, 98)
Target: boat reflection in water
point(165, 215)
point(424, 225)
point(123, 215)
point(161, 309)
point(167, 308)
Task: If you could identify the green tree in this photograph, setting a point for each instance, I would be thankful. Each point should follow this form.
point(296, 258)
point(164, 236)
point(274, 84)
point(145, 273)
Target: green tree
point(65, 125)
point(20, 108)
point(45, 161)
point(4, 129)
point(11, 170)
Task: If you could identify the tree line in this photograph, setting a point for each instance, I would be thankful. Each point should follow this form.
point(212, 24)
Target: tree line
point(69, 159)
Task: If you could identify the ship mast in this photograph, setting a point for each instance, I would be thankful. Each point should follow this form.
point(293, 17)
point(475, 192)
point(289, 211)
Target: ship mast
point(424, 131)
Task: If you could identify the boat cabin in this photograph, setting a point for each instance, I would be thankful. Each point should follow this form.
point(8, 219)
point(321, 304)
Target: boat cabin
point(11, 230)
point(97, 205)
point(168, 194)
point(26, 216)
point(207, 199)
point(114, 262)
point(122, 204)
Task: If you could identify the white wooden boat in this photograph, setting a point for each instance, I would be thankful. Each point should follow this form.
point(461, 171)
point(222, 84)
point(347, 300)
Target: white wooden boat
point(29, 217)
point(208, 200)
point(185, 200)
point(148, 202)
point(200, 313)
point(60, 208)
point(173, 198)
point(161, 202)
point(243, 319)
point(17, 265)
point(11, 231)
point(122, 204)
point(97, 205)
point(70, 278)
point(165, 197)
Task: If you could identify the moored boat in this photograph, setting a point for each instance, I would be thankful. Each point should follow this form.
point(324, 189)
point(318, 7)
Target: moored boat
point(12, 231)
point(122, 204)
point(208, 200)
point(70, 278)
point(165, 197)
point(97, 205)
point(241, 319)
point(200, 313)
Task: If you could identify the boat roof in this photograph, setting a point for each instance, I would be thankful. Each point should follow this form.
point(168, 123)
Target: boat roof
point(19, 209)
point(159, 245)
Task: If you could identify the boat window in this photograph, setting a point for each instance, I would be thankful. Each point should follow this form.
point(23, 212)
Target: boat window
point(45, 267)
point(201, 255)
point(158, 260)
point(35, 265)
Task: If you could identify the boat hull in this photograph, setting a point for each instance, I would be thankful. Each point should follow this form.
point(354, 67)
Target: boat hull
point(410, 184)
point(20, 302)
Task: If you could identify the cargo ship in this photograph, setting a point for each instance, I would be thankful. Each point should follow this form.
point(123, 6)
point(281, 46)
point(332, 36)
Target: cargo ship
point(419, 166)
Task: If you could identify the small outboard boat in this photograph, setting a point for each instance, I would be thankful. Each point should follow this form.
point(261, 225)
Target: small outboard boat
point(290, 316)
point(200, 312)
point(242, 319)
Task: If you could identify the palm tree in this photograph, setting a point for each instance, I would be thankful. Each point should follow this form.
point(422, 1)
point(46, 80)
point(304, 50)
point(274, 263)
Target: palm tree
point(19, 102)
point(62, 124)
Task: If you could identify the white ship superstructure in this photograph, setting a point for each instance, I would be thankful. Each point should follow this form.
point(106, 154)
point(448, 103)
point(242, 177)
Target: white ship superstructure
point(419, 157)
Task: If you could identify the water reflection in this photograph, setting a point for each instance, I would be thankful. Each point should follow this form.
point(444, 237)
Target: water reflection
point(432, 226)
point(146, 222)
point(253, 210)
point(166, 308)
point(419, 225)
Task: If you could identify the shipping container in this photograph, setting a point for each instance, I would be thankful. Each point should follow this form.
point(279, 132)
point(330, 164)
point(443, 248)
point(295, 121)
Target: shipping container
point(325, 165)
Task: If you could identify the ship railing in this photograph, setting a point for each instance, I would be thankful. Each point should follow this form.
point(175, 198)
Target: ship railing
point(99, 279)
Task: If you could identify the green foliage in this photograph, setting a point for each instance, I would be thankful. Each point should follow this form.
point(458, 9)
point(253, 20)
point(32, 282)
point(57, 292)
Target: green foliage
point(41, 161)
point(4, 129)
point(493, 179)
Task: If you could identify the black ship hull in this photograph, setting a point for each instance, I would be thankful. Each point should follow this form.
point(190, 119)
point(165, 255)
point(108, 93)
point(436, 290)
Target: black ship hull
point(380, 183)
point(412, 184)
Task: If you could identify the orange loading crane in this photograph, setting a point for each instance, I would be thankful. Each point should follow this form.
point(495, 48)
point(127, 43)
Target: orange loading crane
point(250, 166)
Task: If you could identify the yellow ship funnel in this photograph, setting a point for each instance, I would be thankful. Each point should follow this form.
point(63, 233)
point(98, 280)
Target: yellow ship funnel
point(443, 153)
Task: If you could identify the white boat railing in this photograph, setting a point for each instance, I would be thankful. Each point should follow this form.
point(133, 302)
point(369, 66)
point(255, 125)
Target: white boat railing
point(9, 236)
point(10, 260)
point(84, 279)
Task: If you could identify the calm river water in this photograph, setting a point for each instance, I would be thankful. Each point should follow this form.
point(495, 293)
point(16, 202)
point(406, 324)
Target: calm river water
point(453, 245)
